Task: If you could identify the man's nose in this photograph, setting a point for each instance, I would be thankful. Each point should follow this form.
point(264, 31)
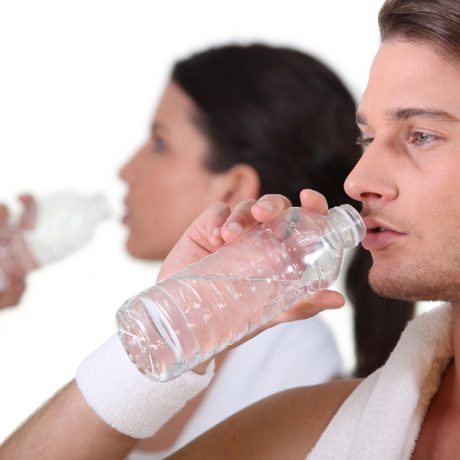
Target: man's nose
point(373, 176)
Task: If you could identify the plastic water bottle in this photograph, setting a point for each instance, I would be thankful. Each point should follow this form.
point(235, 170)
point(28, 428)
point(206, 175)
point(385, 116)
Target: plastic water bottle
point(189, 317)
point(65, 221)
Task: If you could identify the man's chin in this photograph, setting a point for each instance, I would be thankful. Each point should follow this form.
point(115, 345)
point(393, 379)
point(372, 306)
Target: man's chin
point(392, 287)
point(401, 288)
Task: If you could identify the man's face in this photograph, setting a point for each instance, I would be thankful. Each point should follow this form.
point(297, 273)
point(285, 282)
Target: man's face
point(408, 178)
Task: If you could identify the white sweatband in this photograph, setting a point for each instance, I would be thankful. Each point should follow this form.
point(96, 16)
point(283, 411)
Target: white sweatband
point(126, 399)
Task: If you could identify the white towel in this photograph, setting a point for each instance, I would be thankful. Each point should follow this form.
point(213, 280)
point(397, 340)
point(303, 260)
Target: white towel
point(382, 417)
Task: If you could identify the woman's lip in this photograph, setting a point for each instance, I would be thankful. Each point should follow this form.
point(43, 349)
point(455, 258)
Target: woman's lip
point(380, 239)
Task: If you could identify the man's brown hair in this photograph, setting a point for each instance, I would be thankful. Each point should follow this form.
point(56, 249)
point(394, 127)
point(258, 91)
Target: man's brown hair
point(432, 22)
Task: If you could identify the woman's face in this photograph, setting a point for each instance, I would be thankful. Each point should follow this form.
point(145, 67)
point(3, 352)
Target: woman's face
point(168, 184)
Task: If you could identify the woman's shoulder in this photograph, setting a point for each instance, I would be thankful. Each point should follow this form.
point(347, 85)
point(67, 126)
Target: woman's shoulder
point(285, 425)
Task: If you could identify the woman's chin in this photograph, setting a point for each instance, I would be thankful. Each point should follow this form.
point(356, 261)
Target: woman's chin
point(140, 251)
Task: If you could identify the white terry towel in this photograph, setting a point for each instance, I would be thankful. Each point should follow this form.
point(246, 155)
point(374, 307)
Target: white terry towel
point(381, 419)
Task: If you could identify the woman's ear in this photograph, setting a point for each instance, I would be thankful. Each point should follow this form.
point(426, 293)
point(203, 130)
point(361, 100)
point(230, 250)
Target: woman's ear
point(241, 182)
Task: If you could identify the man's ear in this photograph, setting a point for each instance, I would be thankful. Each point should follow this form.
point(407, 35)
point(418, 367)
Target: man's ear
point(241, 182)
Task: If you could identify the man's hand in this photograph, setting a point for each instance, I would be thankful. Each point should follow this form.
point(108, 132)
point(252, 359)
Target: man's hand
point(218, 226)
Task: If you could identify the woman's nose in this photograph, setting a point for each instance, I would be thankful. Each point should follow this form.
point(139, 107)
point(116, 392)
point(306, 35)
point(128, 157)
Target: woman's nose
point(128, 171)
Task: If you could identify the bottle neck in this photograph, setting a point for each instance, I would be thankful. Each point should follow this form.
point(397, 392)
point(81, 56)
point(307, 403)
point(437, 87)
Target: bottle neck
point(98, 207)
point(346, 220)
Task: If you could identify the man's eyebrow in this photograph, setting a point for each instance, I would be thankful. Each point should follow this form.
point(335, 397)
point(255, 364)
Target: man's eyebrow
point(401, 114)
point(425, 112)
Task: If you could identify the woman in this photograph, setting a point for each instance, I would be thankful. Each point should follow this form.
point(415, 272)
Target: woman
point(235, 123)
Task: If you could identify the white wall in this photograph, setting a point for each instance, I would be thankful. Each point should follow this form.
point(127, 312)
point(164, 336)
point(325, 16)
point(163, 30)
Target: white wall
point(78, 83)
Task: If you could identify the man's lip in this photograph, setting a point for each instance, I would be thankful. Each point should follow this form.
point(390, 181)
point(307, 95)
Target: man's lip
point(380, 240)
point(379, 234)
point(372, 223)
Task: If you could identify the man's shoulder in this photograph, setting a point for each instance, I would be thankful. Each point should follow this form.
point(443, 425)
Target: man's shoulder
point(317, 402)
point(285, 425)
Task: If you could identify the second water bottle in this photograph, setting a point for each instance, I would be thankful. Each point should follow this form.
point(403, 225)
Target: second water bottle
point(64, 222)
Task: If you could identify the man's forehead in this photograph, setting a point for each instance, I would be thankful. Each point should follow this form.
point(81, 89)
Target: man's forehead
point(410, 80)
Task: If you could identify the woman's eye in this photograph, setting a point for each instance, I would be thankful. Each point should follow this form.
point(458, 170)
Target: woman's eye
point(158, 145)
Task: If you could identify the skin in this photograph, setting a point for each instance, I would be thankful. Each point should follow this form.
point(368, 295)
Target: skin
point(410, 170)
point(66, 427)
point(16, 283)
point(168, 172)
point(406, 181)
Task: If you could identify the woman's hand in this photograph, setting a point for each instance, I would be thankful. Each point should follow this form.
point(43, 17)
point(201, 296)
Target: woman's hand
point(218, 226)
point(12, 281)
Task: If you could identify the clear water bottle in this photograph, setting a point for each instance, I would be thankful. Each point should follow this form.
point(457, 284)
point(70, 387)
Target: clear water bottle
point(189, 317)
point(65, 221)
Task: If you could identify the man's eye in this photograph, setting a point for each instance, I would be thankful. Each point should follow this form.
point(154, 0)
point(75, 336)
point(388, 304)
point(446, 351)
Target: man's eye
point(421, 138)
point(364, 141)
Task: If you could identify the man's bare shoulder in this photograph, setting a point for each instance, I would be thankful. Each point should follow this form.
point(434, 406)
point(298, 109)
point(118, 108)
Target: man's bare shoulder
point(286, 425)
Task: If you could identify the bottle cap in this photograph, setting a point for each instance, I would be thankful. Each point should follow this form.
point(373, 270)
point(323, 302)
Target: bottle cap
point(356, 226)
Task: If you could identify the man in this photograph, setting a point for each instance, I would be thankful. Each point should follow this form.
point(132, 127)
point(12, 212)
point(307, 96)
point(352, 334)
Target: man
point(409, 117)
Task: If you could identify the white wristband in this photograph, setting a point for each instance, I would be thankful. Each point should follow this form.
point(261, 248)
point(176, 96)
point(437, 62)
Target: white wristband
point(126, 399)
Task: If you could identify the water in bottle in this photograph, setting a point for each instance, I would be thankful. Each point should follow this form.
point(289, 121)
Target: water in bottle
point(65, 221)
point(189, 317)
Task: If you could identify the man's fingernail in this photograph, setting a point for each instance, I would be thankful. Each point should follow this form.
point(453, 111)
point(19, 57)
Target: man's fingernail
point(266, 205)
point(319, 195)
point(235, 228)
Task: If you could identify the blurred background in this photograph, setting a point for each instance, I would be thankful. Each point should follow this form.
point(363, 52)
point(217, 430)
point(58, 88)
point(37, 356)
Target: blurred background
point(78, 85)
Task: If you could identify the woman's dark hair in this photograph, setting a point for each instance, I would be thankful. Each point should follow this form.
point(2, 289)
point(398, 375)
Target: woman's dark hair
point(434, 22)
point(291, 118)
